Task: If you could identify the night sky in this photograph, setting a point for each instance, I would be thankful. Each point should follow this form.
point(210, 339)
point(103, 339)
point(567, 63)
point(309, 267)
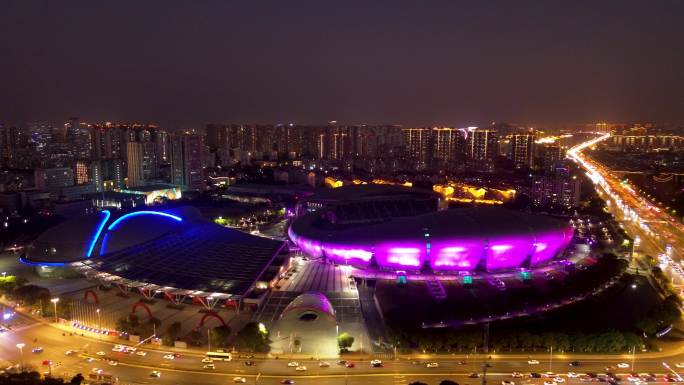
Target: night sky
point(185, 63)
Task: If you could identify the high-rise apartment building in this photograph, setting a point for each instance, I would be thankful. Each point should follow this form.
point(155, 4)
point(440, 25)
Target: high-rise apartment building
point(482, 145)
point(522, 150)
point(448, 143)
point(187, 161)
point(419, 145)
point(135, 165)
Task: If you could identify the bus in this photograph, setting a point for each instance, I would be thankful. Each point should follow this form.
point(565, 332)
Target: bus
point(220, 356)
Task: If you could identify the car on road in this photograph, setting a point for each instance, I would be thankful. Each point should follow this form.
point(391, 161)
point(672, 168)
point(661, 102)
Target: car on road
point(432, 365)
point(169, 356)
point(473, 375)
point(89, 359)
point(113, 363)
point(533, 362)
point(239, 380)
point(342, 362)
point(301, 368)
point(249, 363)
point(141, 353)
point(324, 364)
point(349, 365)
point(507, 382)
point(209, 366)
point(207, 360)
point(101, 353)
point(47, 362)
point(287, 381)
point(293, 364)
point(572, 375)
point(516, 375)
point(118, 348)
point(155, 374)
point(623, 365)
point(376, 363)
point(549, 374)
point(559, 380)
point(574, 363)
point(69, 352)
point(97, 370)
point(535, 375)
point(37, 350)
point(549, 382)
point(680, 365)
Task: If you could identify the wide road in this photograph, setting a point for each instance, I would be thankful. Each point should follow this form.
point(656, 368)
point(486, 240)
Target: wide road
point(656, 230)
point(133, 369)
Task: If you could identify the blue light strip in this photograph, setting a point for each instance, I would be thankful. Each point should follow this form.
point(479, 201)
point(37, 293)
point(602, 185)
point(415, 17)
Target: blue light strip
point(138, 213)
point(96, 236)
point(103, 246)
point(25, 262)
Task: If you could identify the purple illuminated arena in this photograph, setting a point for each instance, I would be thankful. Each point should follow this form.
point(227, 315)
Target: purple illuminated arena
point(467, 239)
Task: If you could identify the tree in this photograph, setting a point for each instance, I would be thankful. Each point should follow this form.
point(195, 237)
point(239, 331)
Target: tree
point(220, 336)
point(345, 341)
point(32, 294)
point(171, 333)
point(253, 337)
point(77, 379)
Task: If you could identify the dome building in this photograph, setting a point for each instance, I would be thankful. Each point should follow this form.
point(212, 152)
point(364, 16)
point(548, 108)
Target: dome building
point(307, 325)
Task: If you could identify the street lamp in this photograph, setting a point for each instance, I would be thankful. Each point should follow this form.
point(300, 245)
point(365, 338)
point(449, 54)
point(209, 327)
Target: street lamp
point(99, 323)
point(20, 346)
point(54, 302)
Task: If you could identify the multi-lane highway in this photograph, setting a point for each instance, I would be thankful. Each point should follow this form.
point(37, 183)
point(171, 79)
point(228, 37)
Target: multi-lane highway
point(655, 230)
point(188, 368)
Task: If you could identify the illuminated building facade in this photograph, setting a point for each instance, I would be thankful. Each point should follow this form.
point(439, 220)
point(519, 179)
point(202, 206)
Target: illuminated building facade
point(522, 150)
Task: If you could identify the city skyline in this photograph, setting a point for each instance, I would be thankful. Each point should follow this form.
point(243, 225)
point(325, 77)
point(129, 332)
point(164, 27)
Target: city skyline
point(441, 64)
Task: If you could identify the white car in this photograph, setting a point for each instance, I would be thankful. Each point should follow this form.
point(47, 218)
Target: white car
point(293, 364)
point(112, 363)
point(533, 362)
point(549, 374)
point(376, 363)
point(680, 364)
point(101, 353)
point(141, 353)
point(559, 380)
point(97, 370)
point(155, 374)
point(432, 365)
point(118, 348)
point(239, 380)
point(324, 364)
point(207, 360)
point(69, 352)
point(169, 356)
point(573, 375)
point(623, 365)
point(209, 366)
point(301, 368)
point(507, 382)
point(516, 375)
point(89, 359)
point(549, 382)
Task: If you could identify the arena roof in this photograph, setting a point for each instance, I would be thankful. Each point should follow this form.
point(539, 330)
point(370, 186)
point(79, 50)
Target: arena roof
point(177, 249)
point(471, 221)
